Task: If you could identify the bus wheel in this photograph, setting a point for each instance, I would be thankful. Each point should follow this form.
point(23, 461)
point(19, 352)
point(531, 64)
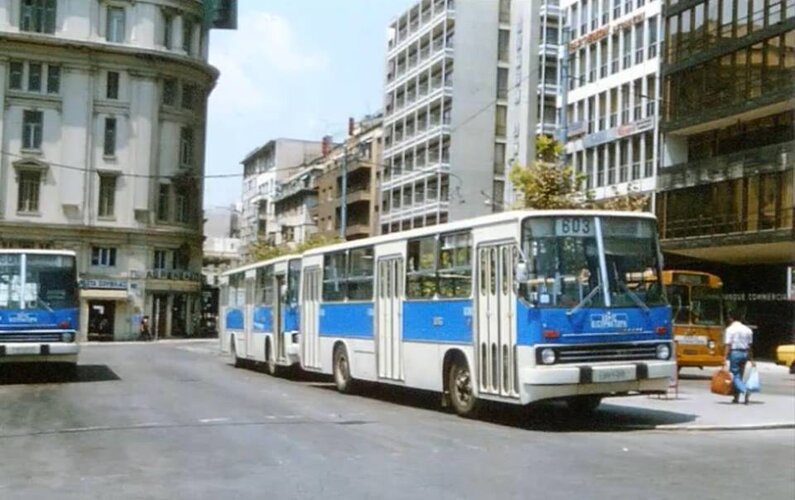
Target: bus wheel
point(233, 350)
point(459, 383)
point(270, 360)
point(583, 405)
point(342, 370)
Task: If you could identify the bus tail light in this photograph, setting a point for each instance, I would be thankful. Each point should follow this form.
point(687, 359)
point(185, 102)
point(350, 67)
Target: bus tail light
point(551, 334)
point(661, 330)
point(63, 324)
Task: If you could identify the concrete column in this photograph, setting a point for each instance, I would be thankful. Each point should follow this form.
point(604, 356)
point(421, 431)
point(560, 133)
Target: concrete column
point(82, 333)
point(169, 316)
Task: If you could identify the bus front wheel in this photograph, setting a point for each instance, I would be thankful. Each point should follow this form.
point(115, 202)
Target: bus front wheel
point(459, 384)
point(342, 370)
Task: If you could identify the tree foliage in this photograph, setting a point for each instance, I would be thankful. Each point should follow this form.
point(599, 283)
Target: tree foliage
point(546, 185)
point(262, 250)
point(632, 201)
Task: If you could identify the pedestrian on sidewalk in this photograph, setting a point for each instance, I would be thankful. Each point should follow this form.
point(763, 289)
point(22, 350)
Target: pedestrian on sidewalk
point(738, 341)
point(144, 329)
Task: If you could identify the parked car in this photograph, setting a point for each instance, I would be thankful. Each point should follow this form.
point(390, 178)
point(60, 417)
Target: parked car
point(785, 355)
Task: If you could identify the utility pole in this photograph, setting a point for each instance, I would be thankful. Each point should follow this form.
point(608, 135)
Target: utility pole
point(564, 95)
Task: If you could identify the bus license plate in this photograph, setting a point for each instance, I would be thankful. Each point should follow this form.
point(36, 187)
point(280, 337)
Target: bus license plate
point(691, 339)
point(23, 349)
point(613, 375)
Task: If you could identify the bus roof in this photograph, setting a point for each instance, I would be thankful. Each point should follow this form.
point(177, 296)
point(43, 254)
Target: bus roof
point(486, 220)
point(7, 251)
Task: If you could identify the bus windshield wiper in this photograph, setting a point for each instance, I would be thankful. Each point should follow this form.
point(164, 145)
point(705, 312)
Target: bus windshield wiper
point(45, 304)
point(584, 301)
point(632, 295)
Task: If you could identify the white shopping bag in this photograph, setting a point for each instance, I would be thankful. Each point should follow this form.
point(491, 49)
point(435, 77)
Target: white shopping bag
point(751, 378)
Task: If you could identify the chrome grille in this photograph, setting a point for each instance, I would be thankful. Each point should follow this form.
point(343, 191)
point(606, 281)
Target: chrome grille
point(30, 337)
point(610, 352)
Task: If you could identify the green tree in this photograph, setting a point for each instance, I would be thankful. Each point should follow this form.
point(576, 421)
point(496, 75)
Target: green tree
point(544, 184)
point(262, 250)
point(632, 201)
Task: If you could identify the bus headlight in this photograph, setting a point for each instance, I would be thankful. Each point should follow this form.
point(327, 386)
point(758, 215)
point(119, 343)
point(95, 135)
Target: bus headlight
point(663, 351)
point(67, 337)
point(548, 356)
point(711, 345)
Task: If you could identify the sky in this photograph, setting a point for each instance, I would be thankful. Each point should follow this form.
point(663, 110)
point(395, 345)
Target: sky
point(293, 68)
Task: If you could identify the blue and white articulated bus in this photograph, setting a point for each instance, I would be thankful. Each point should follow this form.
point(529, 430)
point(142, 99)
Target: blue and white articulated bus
point(260, 313)
point(39, 307)
point(516, 307)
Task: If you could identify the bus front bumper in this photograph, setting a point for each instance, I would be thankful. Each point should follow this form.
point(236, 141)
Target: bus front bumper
point(53, 352)
point(643, 377)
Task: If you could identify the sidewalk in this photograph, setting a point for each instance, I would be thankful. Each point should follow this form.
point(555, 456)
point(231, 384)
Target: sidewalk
point(694, 407)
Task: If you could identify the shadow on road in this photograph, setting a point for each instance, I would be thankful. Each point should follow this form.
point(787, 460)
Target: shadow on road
point(552, 416)
point(45, 374)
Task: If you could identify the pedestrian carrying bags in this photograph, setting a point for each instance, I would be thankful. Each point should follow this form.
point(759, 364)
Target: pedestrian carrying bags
point(751, 378)
point(722, 383)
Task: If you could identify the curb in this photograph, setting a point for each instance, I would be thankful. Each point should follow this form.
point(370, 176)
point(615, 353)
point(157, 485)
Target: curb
point(152, 342)
point(744, 427)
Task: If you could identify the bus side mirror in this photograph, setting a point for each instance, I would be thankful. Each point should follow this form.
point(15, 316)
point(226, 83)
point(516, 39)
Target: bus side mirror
point(522, 273)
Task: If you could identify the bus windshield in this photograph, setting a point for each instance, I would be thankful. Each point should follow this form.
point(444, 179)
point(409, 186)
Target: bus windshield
point(563, 264)
point(10, 281)
point(50, 282)
point(706, 305)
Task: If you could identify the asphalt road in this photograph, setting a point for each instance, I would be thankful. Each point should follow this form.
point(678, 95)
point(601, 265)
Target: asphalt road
point(178, 421)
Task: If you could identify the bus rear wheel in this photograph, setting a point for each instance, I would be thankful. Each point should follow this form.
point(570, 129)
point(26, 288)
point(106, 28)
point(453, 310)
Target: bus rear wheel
point(342, 370)
point(270, 360)
point(459, 385)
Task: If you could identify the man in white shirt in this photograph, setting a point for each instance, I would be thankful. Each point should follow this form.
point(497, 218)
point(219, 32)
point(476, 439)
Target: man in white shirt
point(739, 340)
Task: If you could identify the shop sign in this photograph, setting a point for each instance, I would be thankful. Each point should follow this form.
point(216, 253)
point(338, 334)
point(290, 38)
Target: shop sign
point(173, 275)
point(757, 297)
point(598, 34)
point(612, 134)
point(102, 284)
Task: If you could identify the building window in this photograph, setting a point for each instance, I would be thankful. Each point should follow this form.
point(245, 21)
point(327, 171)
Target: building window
point(503, 45)
point(186, 147)
point(168, 20)
point(115, 25)
point(163, 202)
point(187, 35)
point(107, 195)
point(32, 123)
point(189, 96)
point(16, 73)
point(170, 91)
point(34, 77)
point(181, 208)
point(29, 185)
point(505, 11)
point(112, 85)
point(109, 148)
point(501, 118)
point(160, 260)
point(38, 16)
point(502, 83)
point(499, 158)
point(103, 257)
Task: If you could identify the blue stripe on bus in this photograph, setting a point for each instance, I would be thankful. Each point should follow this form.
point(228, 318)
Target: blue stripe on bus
point(347, 320)
point(263, 319)
point(443, 321)
point(38, 319)
point(619, 324)
point(234, 319)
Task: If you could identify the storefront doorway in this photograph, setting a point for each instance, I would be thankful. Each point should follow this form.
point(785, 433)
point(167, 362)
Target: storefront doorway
point(101, 316)
point(160, 315)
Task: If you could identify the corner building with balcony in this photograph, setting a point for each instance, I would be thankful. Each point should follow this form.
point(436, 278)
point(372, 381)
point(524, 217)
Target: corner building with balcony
point(725, 201)
point(614, 94)
point(442, 121)
point(102, 135)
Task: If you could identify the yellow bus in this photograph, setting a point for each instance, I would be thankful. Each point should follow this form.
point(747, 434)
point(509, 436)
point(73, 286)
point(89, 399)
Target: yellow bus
point(697, 310)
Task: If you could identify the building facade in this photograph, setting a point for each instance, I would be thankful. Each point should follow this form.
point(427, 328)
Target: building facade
point(349, 179)
point(725, 201)
point(612, 109)
point(264, 169)
point(442, 121)
point(102, 134)
point(294, 205)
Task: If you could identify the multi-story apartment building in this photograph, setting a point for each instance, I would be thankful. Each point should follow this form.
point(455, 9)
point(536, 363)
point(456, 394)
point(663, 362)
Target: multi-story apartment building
point(264, 169)
point(294, 205)
point(102, 131)
point(531, 87)
point(442, 121)
point(221, 245)
point(725, 201)
point(349, 180)
point(614, 93)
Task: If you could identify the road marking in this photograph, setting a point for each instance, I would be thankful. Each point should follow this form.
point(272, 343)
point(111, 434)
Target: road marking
point(213, 420)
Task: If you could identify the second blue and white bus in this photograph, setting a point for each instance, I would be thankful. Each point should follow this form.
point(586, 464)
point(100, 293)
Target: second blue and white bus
point(259, 311)
point(516, 307)
point(39, 308)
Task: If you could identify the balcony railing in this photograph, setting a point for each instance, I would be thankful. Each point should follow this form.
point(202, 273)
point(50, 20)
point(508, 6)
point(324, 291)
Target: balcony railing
point(710, 224)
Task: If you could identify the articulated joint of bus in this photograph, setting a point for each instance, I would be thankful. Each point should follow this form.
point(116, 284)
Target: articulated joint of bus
point(617, 369)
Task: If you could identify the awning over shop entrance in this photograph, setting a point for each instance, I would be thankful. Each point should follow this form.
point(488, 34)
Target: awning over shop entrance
point(96, 294)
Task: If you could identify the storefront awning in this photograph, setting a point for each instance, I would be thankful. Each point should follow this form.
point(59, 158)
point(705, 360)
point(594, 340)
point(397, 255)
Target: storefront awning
point(95, 294)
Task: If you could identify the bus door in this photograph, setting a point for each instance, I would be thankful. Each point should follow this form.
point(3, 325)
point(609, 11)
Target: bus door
point(495, 310)
point(388, 313)
point(279, 303)
point(248, 318)
point(310, 315)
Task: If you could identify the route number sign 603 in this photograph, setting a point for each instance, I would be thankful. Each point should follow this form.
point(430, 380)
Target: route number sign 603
point(574, 226)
